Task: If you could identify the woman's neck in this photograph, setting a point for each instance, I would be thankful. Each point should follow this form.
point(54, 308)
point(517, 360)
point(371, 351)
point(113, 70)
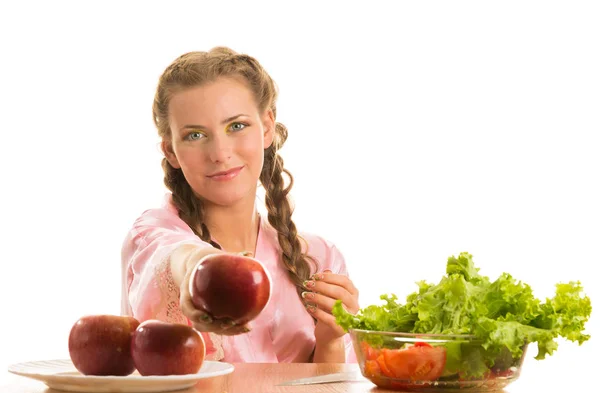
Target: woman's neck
point(234, 228)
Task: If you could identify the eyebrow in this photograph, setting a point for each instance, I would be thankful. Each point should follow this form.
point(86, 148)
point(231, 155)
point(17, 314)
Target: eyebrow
point(198, 126)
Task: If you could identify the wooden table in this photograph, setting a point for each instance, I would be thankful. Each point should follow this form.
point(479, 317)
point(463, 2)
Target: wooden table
point(263, 378)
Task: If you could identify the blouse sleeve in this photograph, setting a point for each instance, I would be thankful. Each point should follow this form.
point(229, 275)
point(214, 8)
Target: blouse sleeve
point(148, 288)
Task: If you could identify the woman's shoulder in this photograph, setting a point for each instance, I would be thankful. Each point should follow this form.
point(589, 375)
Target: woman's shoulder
point(317, 244)
point(158, 228)
point(322, 249)
point(159, 222)
point(162, 215)
point(325, 251)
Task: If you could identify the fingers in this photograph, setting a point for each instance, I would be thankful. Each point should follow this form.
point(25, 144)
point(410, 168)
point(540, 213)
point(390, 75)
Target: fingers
point(325, 295)
point(225, 330)
point(205, 323)
point(235, 330)
point(325, 303)
point(336, 279)
point(325, 318)
point(190, 311)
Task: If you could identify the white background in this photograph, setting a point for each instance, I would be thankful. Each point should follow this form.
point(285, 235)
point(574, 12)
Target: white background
point(417, 131)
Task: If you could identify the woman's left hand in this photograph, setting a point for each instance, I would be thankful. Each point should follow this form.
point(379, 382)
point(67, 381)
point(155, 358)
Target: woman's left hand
point(322, 291)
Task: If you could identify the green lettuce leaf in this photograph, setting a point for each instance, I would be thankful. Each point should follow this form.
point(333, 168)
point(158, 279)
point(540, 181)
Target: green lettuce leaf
point(504, 315)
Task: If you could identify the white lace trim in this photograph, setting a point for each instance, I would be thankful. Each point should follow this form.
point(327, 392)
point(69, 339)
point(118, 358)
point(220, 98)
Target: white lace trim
point(170, 311)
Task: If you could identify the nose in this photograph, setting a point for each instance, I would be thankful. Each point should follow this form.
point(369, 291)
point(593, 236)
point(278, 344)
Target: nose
point(219, 149)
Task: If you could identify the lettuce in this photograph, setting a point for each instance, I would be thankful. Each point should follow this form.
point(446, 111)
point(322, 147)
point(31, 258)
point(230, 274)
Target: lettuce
point(503, 314)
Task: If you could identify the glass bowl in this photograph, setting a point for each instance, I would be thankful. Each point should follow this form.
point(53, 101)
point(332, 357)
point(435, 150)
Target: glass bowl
point(433, 362)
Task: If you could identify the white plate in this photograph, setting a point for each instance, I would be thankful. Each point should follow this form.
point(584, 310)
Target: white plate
point(62, 375)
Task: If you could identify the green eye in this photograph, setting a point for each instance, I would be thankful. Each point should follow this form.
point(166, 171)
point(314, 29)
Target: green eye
point(237, 126)
point(194, 136)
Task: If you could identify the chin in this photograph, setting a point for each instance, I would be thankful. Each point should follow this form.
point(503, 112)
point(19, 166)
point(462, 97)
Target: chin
point(224, 202)
point(225, 199)
point(227, 194)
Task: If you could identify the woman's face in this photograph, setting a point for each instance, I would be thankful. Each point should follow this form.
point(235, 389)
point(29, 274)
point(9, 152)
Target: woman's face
point(218, 138)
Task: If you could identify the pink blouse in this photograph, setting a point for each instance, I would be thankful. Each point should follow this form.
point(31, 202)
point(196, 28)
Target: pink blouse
point(283, 332)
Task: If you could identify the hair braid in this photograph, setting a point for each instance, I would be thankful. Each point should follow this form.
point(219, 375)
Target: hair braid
point(297, 263)
point(188, 205)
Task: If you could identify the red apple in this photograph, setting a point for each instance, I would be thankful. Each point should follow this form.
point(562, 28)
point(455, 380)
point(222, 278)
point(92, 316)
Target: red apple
point(230, 286)
point(101, 344)
point(163, 348)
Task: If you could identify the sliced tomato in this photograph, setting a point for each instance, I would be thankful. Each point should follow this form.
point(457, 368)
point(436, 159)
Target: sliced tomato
point(384, 367)
point(369, 352)
point(422, 344)
point(416, 363)
point(372, 369)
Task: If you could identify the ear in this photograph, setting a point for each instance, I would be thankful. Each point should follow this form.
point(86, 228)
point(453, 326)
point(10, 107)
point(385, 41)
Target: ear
point(167, 149)
point(269, 127)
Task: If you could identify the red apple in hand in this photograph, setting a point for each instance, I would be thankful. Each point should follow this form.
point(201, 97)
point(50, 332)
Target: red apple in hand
point(230, 286)
point(101, 344)
point(163, 348)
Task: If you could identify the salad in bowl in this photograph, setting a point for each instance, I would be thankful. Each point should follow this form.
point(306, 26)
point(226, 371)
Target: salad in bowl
point(466, 331)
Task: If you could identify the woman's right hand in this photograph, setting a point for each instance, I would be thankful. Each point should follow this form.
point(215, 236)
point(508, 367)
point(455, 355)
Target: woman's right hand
point(200, 320)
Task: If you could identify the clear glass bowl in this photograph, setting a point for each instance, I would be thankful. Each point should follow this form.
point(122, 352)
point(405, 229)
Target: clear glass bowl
point(432, 362)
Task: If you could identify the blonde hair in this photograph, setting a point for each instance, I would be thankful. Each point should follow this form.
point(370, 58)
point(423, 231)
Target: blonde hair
point(196, 68)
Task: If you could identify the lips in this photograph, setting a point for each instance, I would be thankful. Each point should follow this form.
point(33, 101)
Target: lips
point(226, 175)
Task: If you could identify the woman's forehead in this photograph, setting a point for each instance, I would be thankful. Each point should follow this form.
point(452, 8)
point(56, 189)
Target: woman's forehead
point(212, 102)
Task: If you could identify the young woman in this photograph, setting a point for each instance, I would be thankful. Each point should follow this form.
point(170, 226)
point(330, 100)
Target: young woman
point(216, 116)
